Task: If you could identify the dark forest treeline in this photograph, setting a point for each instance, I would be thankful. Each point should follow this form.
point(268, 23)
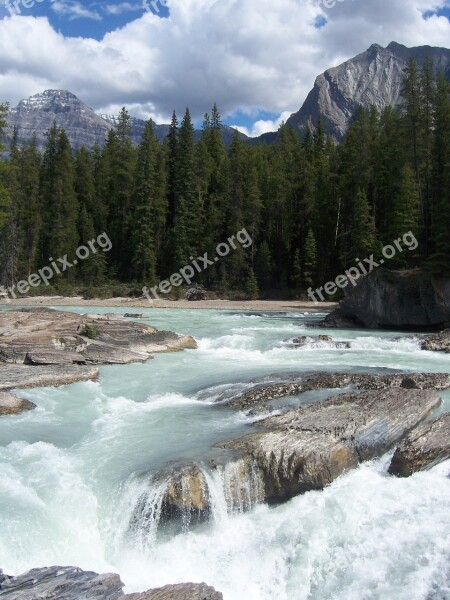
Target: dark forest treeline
point(310, 207)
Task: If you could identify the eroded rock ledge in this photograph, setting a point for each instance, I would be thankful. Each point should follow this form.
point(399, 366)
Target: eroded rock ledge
point(43, 347)
point(311, 382)
point(308, 448)
point(425, 447)
point(71, 583)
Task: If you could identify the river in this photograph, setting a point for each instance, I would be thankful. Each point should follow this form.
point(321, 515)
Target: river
point(74, 470)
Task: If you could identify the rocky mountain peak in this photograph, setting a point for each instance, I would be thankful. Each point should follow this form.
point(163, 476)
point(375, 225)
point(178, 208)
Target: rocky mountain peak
point(374, 77)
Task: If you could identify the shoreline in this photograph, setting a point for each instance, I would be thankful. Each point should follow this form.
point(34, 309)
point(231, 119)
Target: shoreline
point(238, 305)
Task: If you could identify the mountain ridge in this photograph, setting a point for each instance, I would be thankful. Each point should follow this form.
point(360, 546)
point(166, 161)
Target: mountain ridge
point(373, 77)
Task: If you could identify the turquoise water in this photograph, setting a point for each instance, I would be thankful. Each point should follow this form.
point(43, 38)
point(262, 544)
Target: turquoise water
point(72, 471)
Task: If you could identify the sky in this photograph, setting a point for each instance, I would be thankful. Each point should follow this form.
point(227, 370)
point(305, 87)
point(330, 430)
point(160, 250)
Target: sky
point(257, 59)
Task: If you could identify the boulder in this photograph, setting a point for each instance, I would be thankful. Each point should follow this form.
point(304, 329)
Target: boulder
point(196, 293)
point(425, 447)
point(406, 300)
point(308, 448)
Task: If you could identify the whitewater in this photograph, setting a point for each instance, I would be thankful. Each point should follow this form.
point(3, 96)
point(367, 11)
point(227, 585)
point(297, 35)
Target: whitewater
point(78, 482)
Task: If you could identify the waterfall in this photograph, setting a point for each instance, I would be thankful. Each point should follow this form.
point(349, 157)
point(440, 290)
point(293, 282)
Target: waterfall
point(189, 496)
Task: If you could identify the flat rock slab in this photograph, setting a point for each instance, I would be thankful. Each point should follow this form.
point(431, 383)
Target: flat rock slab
point(11, 405)
point(42, 347)
point(71, 583)
point(425, 447)
point(24, 376)
point(308, 448)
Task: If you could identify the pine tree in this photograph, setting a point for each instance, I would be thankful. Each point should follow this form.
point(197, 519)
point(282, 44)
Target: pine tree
point(363, 237)
point(252, 286)
point(440, 227)
point(59, 200)
point(148, 208)
point(310, 258)
point(186, 228)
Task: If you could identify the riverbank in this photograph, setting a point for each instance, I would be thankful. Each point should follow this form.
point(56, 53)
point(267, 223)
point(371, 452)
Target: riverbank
point(252, 305)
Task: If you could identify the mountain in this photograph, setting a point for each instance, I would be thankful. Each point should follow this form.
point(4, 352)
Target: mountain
point(371, 78)
point(35, 115)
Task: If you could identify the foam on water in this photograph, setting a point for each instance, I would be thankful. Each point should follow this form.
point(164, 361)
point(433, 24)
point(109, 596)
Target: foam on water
point(367, 536)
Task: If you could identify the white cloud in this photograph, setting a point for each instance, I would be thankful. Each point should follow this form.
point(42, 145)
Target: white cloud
point(122, 7)
point(72, 9)
point(244, 54)
point(264, 126)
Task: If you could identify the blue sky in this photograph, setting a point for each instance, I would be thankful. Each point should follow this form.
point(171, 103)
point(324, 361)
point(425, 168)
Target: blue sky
point(256, 58)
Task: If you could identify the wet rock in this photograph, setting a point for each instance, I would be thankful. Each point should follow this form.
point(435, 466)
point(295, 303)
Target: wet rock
point(134, 316)
point(425, 447)
point(439, 342)
point(321, 381)
point(320, 342)
point(187, 495)
point(308, 448)
point(61, 583)
point(11, 405)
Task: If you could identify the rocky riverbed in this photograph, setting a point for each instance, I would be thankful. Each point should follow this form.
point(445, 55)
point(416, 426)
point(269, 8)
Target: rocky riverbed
point(42, 347)
point(71, 583)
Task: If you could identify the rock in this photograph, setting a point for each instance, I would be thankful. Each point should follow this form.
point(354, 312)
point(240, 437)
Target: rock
point(71, 583)
point(41, 347)
point(322, 341)
point(438, 343)
point(24, 376)
point(182, 591)
point(195, 294)
point(181, 496)
point(308, 448)
point(425, 447)
point(395, 300)
point(134, 316)
point(61, 583)
point(321, 381)
point(187, 495)
point(11, 405)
